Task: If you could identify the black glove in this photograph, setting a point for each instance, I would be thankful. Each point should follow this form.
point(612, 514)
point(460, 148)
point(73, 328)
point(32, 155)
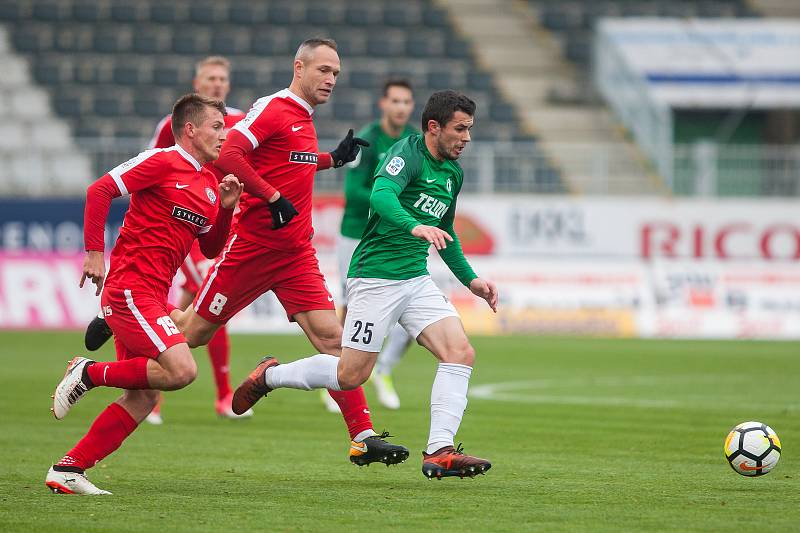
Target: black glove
point(282, 212)
point(347, 150)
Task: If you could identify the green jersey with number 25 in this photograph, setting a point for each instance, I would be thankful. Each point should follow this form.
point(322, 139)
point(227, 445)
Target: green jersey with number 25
point(429, 191)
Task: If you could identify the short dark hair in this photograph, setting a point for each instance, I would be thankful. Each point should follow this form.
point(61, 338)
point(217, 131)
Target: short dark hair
point(442, 105)
point(310, 44)
point(190, 108)
point(396, 82)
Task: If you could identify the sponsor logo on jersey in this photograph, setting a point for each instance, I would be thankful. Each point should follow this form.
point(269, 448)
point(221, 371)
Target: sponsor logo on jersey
point(309, 158)
point(449, 185)
point(395, 165)
point(189, 216)
point(430, 205)
point(212, 197)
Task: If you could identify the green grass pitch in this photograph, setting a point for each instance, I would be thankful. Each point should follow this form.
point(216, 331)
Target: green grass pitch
point(608, 435)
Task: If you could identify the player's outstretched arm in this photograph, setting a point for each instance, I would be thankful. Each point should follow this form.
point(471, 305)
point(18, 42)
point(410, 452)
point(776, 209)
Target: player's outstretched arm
point(485, 289)
point(98, 201)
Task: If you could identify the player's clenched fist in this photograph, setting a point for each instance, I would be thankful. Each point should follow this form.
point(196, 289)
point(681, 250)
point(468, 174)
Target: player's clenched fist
point(94, 268)
point(230, 189)
point(433, 235)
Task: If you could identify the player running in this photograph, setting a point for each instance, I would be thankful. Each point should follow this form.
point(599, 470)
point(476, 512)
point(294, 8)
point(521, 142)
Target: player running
point(413, 206)
point(212, 79)
point(396, 105)
point(174, 200)
point(274, 151)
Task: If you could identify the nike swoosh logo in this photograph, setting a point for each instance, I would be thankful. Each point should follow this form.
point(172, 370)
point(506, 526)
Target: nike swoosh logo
point(745, 466)
point(430, 181)
point(179, 186)
point(362, 448)
point(280, 217)
point(298, 128)
point(330, 298)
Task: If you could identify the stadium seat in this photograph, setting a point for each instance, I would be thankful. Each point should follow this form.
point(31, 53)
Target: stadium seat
point(398, 16)
point(167, 75)
point(281, 14)
point(479, 80)
point(207, 13)
point(109, 41)
point(362, 79)
point(358, 16)
point(435, 17)
point(456, 47)
point(68, 105)
point(165, 13)
point(501, 112)
point(344, 110)
point(53, 135)
point(230, 43)
point(281, 77)
point(150, 41)
point(244, 12)
point(90, 73)
point(108, 106)
point(245, 77)
point(48, 11)
point(10, 10)
point(32, 39)
point(86, 11)
point(127, 74)
point(48, 72)
point(125, 11)
point(440, 79)
point(319, 14)
point(190, 42)
point(148, 105)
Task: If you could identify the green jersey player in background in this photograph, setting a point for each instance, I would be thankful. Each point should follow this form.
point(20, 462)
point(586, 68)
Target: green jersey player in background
point(413, 205)
point(396, 105)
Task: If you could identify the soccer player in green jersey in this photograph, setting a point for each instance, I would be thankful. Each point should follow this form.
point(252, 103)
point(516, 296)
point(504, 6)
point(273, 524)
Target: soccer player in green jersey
point(413, 206)
point(396, 105)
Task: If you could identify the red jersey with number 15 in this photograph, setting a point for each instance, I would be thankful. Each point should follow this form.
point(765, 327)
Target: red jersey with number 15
point(284, 153)
point(173, 201)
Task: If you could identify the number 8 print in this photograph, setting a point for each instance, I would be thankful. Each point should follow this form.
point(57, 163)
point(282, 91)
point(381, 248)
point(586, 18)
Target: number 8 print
point(215, 308)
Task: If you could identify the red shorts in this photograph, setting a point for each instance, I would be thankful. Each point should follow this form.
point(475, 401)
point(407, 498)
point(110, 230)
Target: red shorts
point(140, 322)
point(194, 268)
point(246, 270)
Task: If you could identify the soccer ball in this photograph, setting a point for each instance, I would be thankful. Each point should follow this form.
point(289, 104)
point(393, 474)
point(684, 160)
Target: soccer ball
point(752, 448)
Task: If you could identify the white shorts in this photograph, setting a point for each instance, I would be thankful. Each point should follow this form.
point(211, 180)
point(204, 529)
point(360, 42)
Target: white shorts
point(345, 247)
point(376, 305)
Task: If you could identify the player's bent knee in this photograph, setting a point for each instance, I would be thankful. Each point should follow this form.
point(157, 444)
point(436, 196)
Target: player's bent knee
point(461, 354)
point(351, 379)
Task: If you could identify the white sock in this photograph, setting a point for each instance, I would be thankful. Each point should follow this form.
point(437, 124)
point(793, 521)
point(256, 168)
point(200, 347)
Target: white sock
point(315, 372)
point(448, 401)
point(393, 350)
point(364, 434)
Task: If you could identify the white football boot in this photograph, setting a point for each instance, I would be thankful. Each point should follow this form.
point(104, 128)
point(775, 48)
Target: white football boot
point(71, 483)
point(330, 404)
point(71, 388)
point(384, 386)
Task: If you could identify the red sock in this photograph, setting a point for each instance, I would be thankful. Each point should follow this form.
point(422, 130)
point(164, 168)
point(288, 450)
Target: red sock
point(355, 410)
point(219, 352)
point(108, 431)
point(126, 374)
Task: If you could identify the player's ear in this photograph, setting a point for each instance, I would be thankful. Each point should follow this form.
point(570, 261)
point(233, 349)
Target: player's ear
point(434, 127)
point(298, 67)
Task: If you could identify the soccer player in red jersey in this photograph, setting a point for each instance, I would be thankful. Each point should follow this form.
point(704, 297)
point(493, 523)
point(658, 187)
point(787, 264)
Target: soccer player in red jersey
point(212, 79)
point(174, 200)
point(274, 152)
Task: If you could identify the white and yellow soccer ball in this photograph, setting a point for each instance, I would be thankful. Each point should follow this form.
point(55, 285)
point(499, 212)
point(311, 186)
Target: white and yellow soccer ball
point(752, 448)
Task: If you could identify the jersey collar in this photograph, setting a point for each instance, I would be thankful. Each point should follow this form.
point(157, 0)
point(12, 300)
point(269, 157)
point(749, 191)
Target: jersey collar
point(188, 157)
point(289, 94)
